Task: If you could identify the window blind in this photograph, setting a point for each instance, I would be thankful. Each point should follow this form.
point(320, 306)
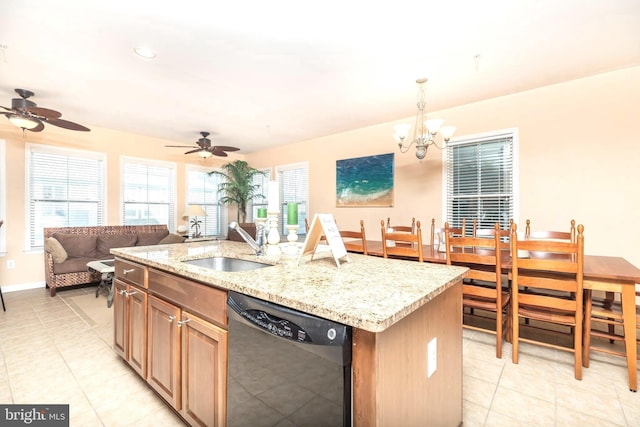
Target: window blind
point(480, 181)
point(262, 187)
point(294, 187)
point(202, 189)
point(66, 189)
point(148, 192)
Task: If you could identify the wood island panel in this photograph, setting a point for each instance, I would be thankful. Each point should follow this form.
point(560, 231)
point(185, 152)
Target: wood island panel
point(391, 386)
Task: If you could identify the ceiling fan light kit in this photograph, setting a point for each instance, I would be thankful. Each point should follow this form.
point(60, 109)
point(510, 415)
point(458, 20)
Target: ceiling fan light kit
point(204, 148)
point(26, 115)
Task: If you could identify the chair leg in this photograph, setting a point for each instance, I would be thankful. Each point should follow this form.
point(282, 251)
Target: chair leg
point(586, 342)
point(2, 298)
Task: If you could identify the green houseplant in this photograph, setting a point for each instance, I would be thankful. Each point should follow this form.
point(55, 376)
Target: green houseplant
point(238, 188)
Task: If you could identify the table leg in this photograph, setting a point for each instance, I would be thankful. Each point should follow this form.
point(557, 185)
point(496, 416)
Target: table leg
point(629, 319)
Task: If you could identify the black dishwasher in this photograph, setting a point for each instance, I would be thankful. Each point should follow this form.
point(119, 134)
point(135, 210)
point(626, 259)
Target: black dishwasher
point(286, 367)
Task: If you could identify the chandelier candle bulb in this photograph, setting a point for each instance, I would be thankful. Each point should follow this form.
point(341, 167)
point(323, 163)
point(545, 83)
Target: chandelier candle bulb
point(262, 212)
point(274, 197)
point(292, 214)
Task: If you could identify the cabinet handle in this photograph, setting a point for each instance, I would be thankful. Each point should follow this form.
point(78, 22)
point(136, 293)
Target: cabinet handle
point(122, 292)
point(171, 318)
point(128, 294)
point(182, 322)
point(125, 271)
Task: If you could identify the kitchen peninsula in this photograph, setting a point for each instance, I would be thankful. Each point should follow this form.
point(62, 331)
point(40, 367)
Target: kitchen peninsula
point(406, 319)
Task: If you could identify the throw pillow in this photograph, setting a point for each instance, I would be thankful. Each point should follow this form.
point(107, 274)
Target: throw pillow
point(171, 238)
point(151, 238)
point(56, 250)
point(78, 245)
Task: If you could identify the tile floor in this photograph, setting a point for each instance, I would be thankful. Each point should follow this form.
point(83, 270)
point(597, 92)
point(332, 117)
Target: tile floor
point(51, 351)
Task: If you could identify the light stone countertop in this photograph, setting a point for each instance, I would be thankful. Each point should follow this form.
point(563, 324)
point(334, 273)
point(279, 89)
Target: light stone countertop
point(368, 293)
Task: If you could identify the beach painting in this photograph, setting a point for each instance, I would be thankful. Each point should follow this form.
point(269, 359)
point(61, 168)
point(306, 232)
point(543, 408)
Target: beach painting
point(365, 181)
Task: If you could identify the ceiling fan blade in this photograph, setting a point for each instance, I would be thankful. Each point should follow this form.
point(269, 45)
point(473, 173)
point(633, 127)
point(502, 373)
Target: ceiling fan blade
point(38, 128)
point(44, 112)
point(67, 124)
point(194, 151)
point(225, 148)
point(219, 153)
point(6, 108)
point(179, 146)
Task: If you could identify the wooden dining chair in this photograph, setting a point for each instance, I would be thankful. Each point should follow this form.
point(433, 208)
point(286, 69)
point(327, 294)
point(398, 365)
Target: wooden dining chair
point(482, 290)
point(406, 245)
point(402, 228)
point(604, 320)
point(550, 234)
point(439, 231)
point(548, 290)
point(357, 240)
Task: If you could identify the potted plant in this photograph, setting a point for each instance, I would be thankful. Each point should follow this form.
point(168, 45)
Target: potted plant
point(238, 188)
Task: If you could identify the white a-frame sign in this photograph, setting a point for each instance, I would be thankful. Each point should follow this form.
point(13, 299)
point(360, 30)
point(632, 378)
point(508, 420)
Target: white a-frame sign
point(324, 223)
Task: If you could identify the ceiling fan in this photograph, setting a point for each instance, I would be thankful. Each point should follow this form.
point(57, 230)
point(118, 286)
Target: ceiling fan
point(27, 115)
point(205, 149)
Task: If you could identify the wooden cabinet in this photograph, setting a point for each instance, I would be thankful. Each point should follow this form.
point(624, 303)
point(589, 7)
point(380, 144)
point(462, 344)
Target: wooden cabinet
point(130, 314)
point(163, 350)
point(204, 372)
point(187, 353)
point(130, 325)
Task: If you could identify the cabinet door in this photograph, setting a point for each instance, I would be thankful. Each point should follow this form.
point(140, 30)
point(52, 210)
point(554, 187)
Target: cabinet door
point(137, 301)
point(120, 321)
point(204, 372)
point(163, 362)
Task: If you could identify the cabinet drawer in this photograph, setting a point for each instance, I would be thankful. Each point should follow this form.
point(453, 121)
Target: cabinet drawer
point(204, 301)
point(131, 272)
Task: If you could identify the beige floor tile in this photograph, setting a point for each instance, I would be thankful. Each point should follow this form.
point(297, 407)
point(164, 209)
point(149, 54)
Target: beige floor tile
point(478, 391)
point(48, 355)
point(523, 407)
point(473, 415)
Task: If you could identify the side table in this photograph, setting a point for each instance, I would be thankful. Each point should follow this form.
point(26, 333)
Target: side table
point(107, 269)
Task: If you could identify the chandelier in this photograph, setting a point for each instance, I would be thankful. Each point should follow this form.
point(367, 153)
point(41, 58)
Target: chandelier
point(425, 130)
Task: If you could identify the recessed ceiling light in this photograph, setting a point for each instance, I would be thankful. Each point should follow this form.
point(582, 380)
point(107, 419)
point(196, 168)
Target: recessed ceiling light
point(145, 52)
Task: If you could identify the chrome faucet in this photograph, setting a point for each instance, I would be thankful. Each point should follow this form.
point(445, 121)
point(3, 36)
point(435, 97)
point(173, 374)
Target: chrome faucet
point(258, 246)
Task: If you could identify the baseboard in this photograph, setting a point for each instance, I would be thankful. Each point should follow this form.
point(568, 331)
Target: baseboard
point(22, 287)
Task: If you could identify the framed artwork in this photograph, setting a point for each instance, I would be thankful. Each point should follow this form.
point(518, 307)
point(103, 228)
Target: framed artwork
point(365, 181)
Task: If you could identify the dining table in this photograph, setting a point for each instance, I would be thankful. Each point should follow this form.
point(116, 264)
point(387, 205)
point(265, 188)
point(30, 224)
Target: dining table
point(601, 273)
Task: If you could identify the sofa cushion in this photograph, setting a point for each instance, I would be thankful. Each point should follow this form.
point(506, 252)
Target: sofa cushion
point(56, 250)
point(108, 241)
point(72, 265)
point(171, 238)
point(151, 238)
point(77, 245)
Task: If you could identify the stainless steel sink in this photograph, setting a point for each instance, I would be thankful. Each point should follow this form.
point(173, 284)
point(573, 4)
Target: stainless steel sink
point(227, 264)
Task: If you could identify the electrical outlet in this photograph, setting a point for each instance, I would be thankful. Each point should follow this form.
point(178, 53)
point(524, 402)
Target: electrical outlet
point(432, 356)
point(11, 263)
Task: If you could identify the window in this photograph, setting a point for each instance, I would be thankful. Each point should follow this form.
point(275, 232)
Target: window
point(3, 195)
point(294, 187)
point(65, 189)
point(148, 192)
point(202, 189)
point(262, 181)
point(480, 180)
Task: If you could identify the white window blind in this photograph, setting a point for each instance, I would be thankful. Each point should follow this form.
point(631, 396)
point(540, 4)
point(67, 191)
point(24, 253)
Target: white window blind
point(202, 189)
point(148, 190)
point(294, 187)
point(262, 183)
point(66, 189)
point(480, 181)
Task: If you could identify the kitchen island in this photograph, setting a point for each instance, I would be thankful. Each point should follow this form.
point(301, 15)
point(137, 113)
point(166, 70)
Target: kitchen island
point(406, 318)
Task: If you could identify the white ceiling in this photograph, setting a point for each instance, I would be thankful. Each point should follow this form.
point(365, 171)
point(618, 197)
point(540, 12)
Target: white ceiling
point(259, 73)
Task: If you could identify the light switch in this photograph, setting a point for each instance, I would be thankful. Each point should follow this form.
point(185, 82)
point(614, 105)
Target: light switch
point(432, 356)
